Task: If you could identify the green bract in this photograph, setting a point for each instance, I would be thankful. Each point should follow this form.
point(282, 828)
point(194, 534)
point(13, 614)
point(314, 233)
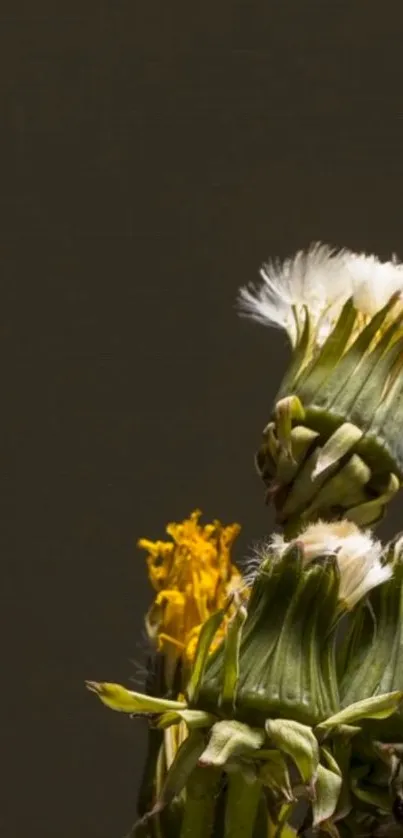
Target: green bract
point(286, 658)
point(333, 448)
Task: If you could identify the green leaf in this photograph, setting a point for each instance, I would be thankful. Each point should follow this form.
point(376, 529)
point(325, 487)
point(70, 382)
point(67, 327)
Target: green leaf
point(327, 790)
point(376, 707)
point(192, 718)
point(231, 739)
point(205, 640)
point(125, 701)
point(298, 741)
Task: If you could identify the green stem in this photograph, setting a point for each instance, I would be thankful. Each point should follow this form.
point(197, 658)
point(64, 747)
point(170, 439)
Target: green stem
point(241, 807)
point(202, 791)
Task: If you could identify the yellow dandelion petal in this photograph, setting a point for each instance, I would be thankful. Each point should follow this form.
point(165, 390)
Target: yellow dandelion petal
point(193, 576)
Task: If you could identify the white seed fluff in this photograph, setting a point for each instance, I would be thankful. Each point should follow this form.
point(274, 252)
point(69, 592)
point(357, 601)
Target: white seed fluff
point(320, 279)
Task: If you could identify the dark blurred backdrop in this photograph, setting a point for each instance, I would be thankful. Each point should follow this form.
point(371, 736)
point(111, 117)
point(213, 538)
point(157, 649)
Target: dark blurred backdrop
point(152, 155)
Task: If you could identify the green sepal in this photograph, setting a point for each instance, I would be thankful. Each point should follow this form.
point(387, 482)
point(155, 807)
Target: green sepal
point(119, 698)
point(298, 741)
point(346, 378)
point(231, 657)
point(376, 707)
point(305, 486)
point(371, 511)
point(229, 739)
point(315, 374)
point(285, 412)
point(338, 444)
point(327, 791)
point(346, 488)
point(368, 400)
point(204, 642)
point(301, 441)
point(299, 356)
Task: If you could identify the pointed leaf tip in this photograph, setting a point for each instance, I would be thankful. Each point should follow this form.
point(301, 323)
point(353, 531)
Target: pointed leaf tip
point(119, 698)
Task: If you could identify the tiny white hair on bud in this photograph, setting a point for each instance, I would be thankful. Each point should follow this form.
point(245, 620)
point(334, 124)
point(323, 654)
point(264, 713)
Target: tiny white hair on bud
point(252, 563)
point(320, 279)
point(358, 556)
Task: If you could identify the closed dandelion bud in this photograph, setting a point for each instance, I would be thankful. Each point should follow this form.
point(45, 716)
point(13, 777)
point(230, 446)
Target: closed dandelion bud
point(333, 446)
point(286, 658)
point(286, 650)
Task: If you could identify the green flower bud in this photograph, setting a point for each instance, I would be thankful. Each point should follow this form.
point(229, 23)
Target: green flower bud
point(333, 446)
point(285, 655)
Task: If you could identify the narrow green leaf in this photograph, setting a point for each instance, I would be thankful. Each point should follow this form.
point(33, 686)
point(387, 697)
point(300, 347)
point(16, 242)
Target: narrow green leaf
point(318, 370)
point(346, 378)
point(376, 707)
point(299, 356)
point(125, 701)
point(327, 790)
point(231, 657)
point(205, 640)
point(369, 399)
point(298, 741)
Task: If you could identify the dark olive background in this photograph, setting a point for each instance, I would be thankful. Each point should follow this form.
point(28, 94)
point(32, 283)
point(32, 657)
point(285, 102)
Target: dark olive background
point(152, 155)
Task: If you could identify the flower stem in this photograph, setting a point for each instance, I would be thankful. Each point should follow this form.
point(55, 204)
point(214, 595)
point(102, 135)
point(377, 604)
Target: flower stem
point(241, 806)
point(202, 790)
